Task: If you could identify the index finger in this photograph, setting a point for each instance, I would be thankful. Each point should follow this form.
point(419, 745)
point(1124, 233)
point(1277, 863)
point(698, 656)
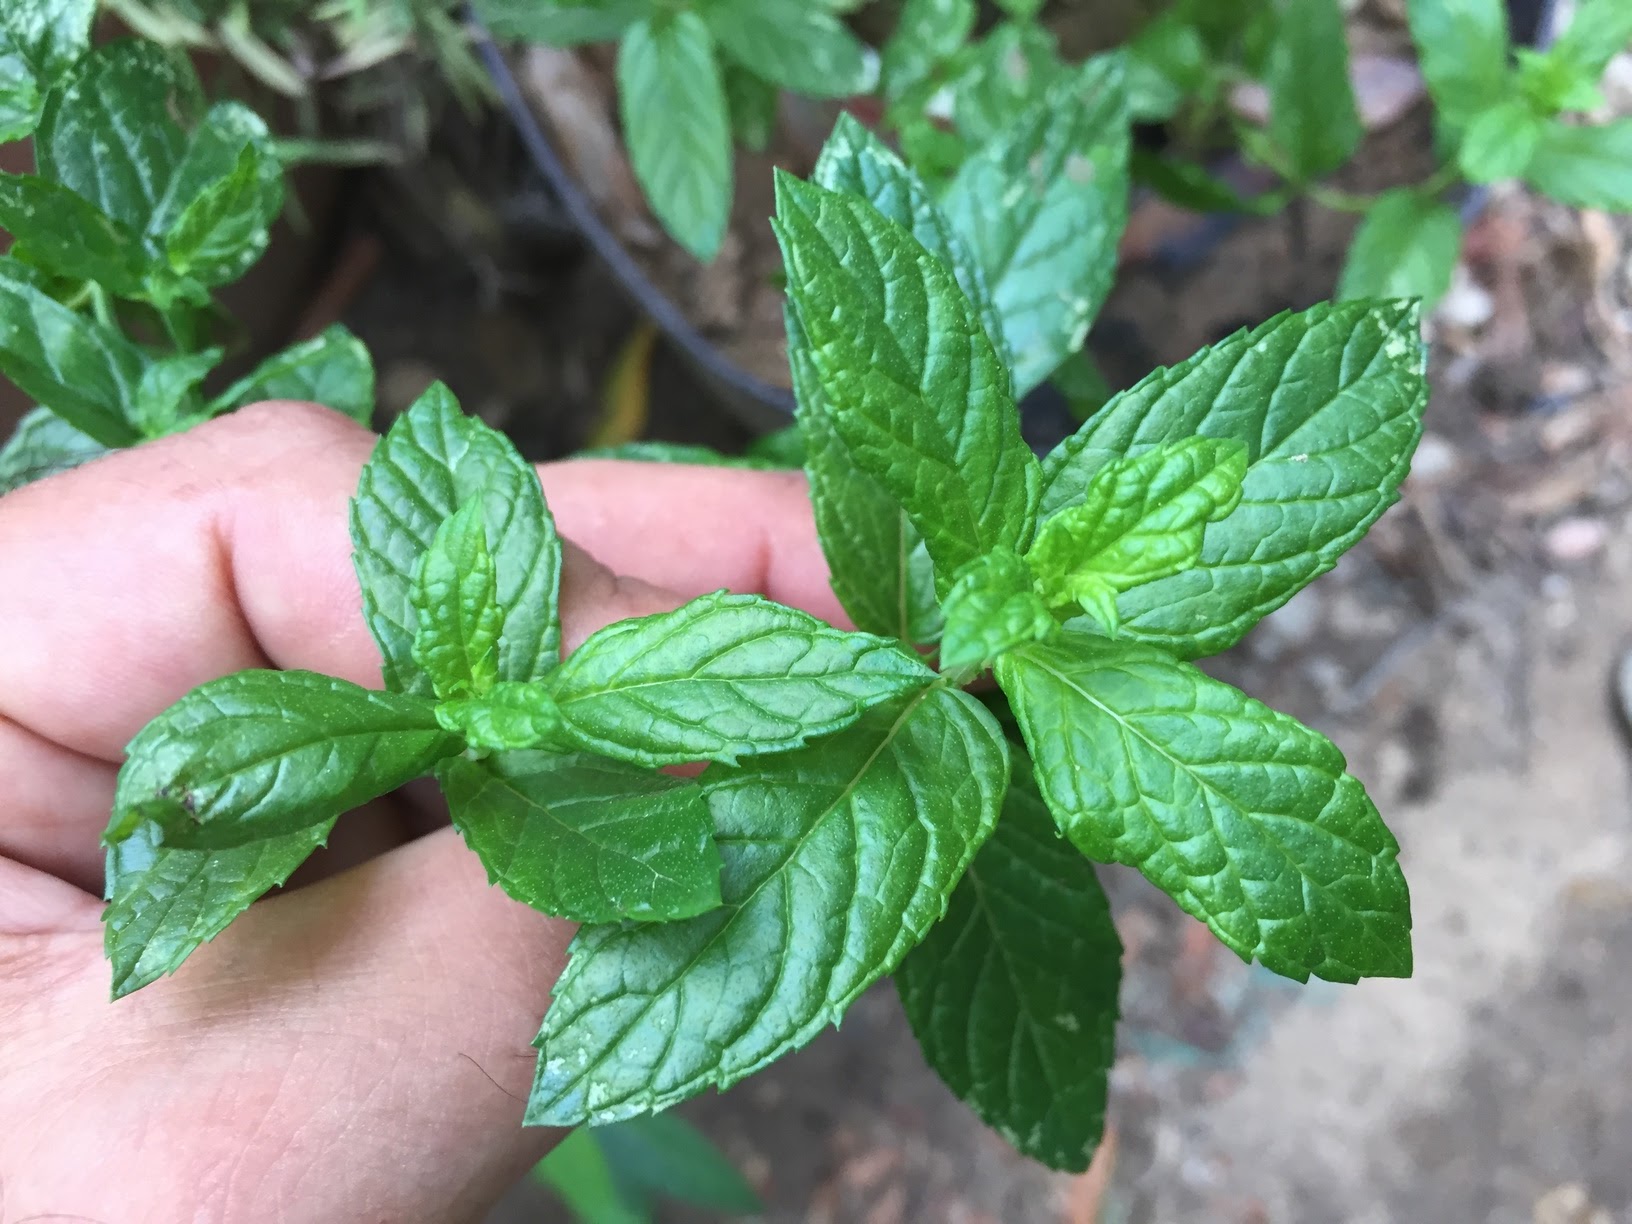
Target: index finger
point(134, 579)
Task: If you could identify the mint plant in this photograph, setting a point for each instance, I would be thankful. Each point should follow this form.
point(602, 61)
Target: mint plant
point(860, 814)
point(145, 201)
point(693, 77)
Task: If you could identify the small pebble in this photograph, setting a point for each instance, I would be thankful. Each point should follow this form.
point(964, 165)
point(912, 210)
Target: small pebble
point(1467, 304)
point(1576, 539)
point(1435, 461)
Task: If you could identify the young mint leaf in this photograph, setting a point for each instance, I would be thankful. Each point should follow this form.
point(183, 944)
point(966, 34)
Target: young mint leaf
point(722, 677)
point(678, 127)
point(753, 103)
point(1588, 167)
point(1313, 120)
point(40, 40)
point(1141, 518)
point(666, 1157)
point(263, 753)
point(585, 838)
point(794, 44)
point(85, 373)
point(647, 451)
point(165, 397)
point(927, 33)
point(1549, 83)
point(1406, 247)
point(1329, 405)
point(877, 562)
point(1043, 206)
point(1499, 142)
point(1462, 47)
point(1242, 815)
point(1167, 65)
point(1013, 994)
point(43, 445)
point(225, 227)
point(836, 860)
point(164, 902)
point(1599, 31)
point(513, 714)
point(333, 368)
point(856, 162)
point(68, 236)
point(992, 607)
point(914, 388)
point(115, 132)
point(561, 23)
point(434, 460)
point(456, 597)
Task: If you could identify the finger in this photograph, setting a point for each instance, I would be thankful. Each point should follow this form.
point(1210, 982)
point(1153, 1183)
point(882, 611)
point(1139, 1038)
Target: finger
point(696, 529)
point(53, 805)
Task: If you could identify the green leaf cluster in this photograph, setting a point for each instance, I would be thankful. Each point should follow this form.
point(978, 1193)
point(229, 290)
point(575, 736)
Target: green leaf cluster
point(1515, 112)
point(1183, 511)
point(144, 200)
point(695, 77)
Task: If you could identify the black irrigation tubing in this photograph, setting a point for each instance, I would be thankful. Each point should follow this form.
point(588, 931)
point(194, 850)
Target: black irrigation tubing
point(714, 366)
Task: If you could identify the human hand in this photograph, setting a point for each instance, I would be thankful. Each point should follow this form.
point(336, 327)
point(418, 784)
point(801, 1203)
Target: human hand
point(356, 1048)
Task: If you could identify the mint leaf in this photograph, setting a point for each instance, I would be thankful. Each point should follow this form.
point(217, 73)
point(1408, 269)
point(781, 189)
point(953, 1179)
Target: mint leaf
point(561, 23)
point(1331, 419)
point(434, 460)
point(856, 162)
point(1242, 815)
point(1406, 247)
point(578, 1170)
point(1600, 30)
point(1141, 518)
point(456, 597)
point(40, 40)
point(114, 132)
point(722, 677)
point(263, 753)
point(43, 445)
point(926, 33)
point(585, 838)
point(753, 104)
point(166, 397)
point(992, 607)
point(1588, 167)
point(877, 562)
point(836, 860)
point(1499, 142)
point(794, 44)
point(68, 236)
point(84, 372)
point(1167, 64)
point(1013, 994)
point(1312, 114)
point(995, 81)
point(678, 127)
point(666, 1157)
point(1043, 205)
point(915, 389)
point(648, 451)
point(333, 368)
point(512, 714)
point(164, 902)
point(225, 227)
point(1462, 47)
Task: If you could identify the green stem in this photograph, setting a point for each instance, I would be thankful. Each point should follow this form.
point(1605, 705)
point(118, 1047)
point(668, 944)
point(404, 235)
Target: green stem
point(178, 325)
point(101, 307)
